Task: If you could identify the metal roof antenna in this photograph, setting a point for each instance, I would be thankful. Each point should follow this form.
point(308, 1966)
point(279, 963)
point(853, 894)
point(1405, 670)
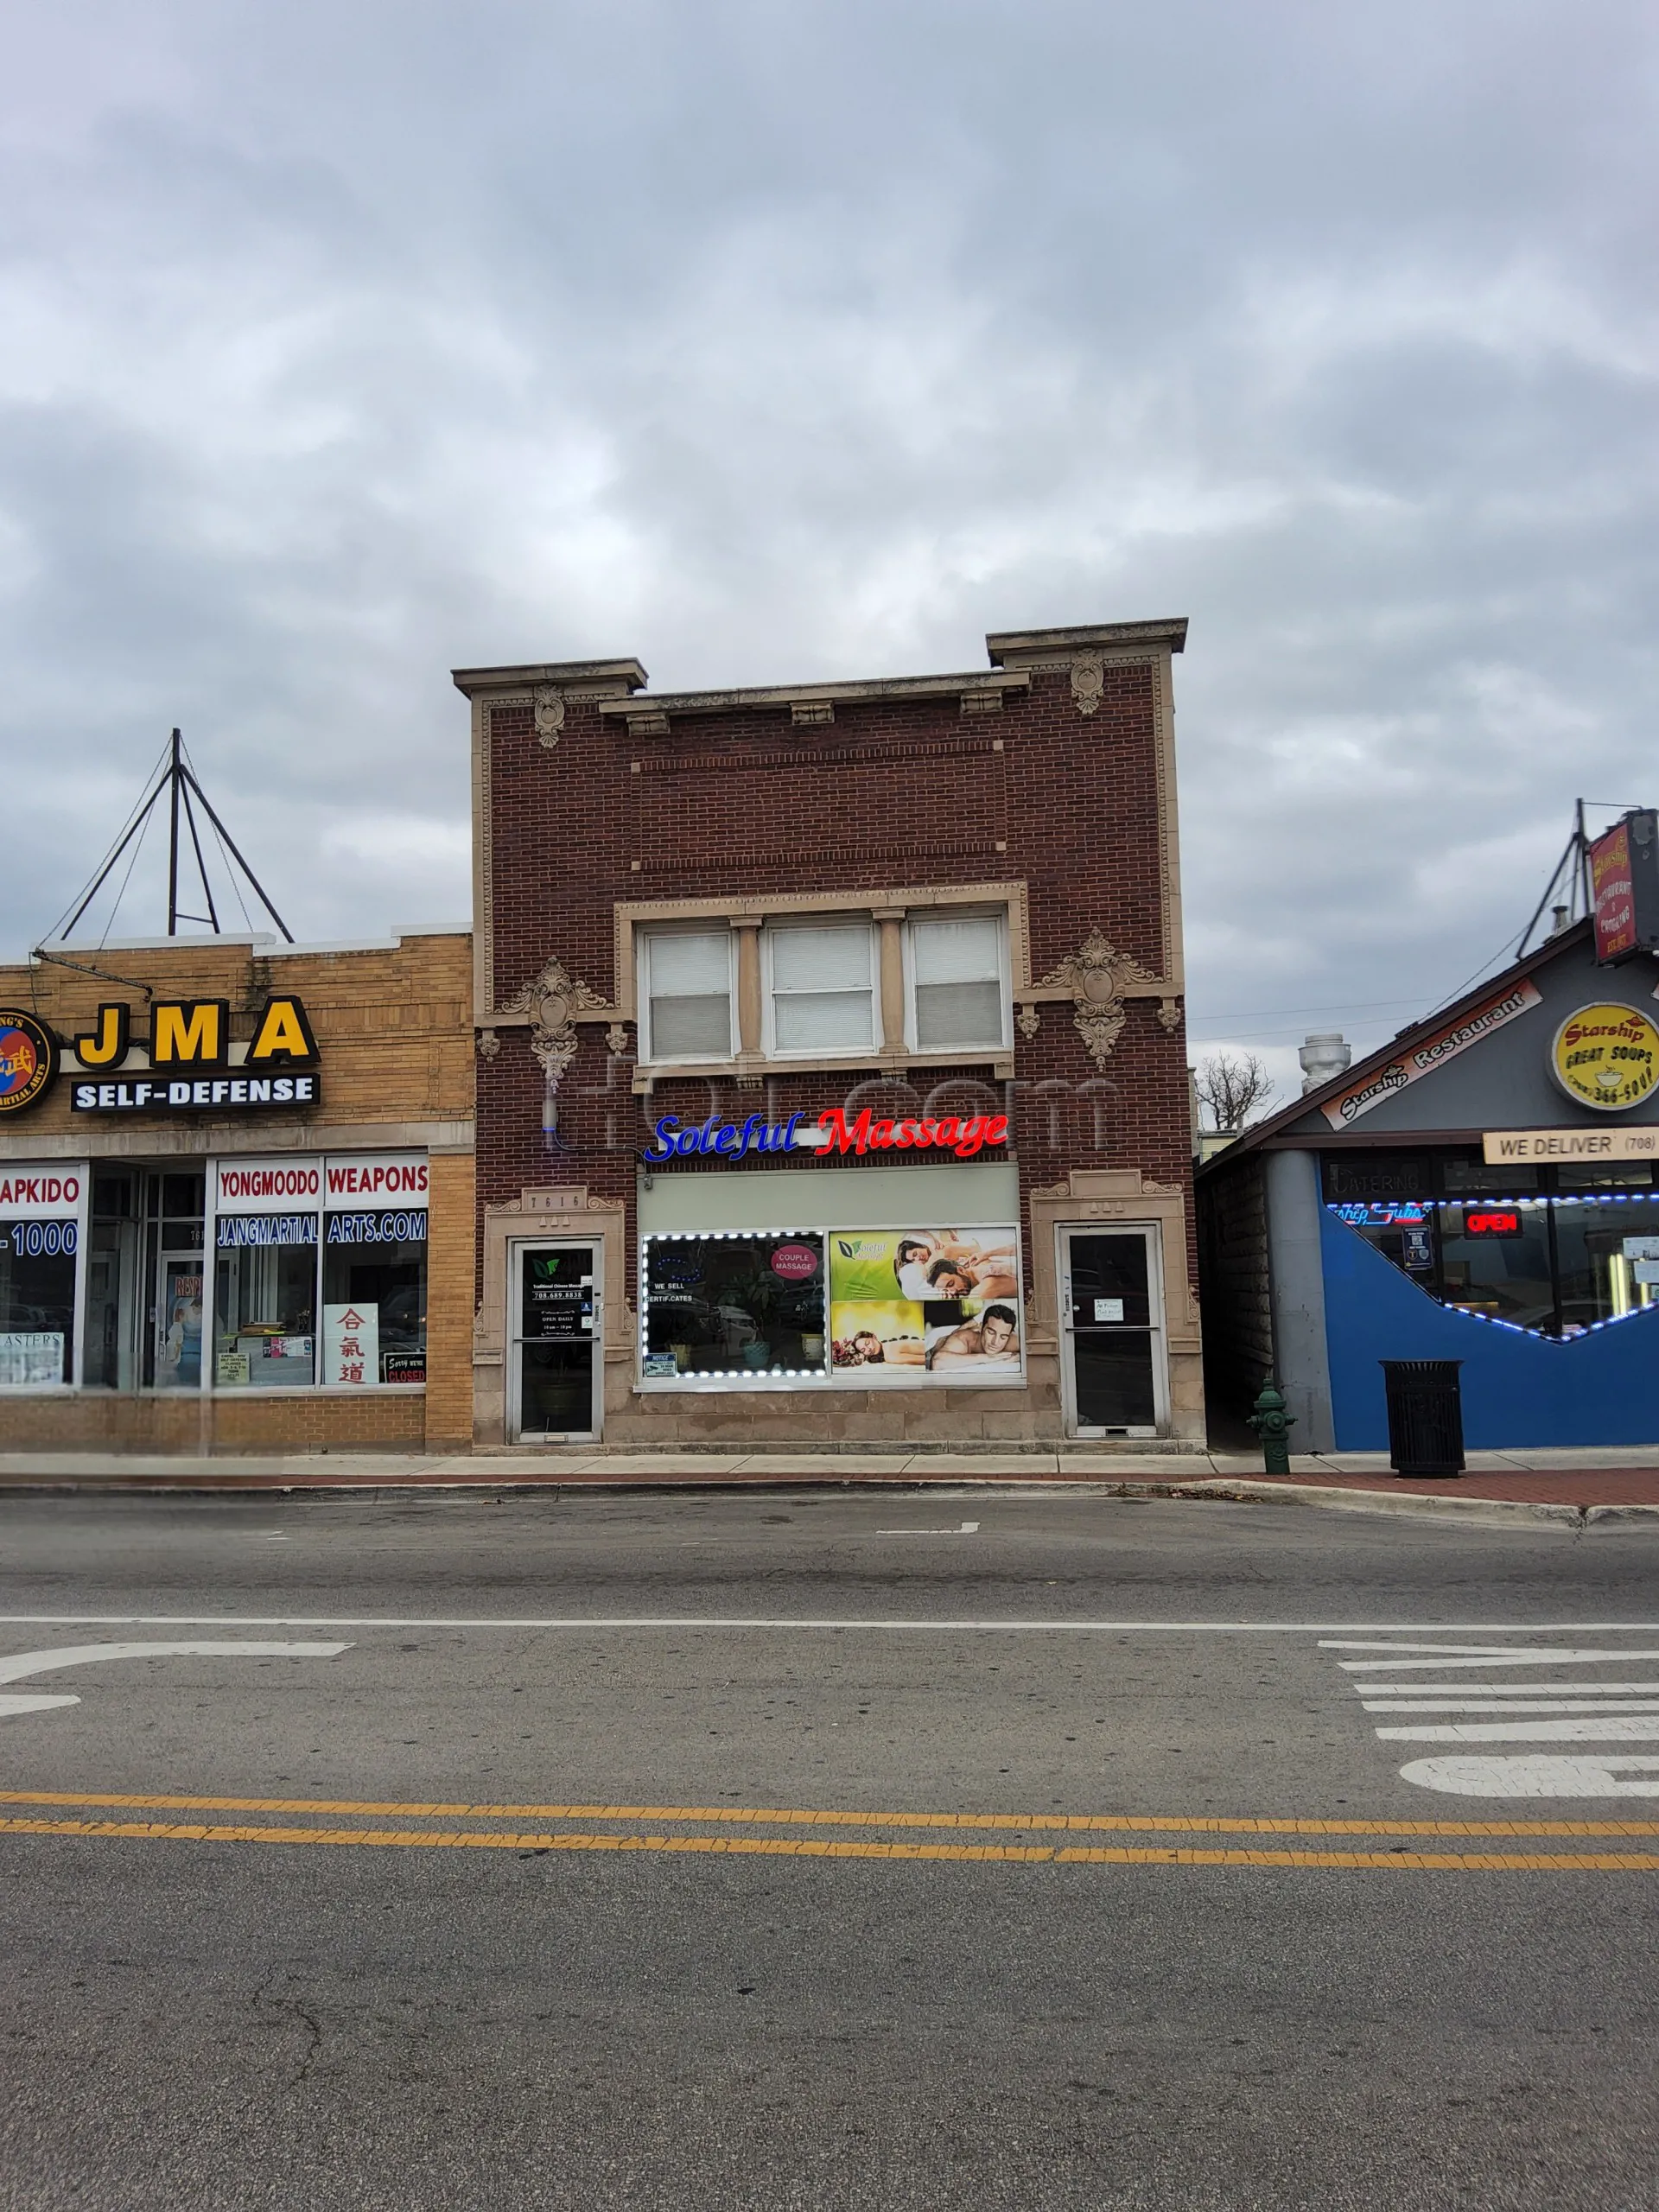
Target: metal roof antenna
point(174, 776)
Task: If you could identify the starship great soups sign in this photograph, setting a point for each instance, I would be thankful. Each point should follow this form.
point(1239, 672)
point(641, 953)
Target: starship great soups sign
point(1607, 1056)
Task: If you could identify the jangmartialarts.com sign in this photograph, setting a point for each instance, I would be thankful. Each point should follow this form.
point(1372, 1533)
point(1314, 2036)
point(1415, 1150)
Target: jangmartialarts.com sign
point(221, 1093)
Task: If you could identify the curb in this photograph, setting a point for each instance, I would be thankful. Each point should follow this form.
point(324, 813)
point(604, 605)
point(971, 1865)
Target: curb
point(1384, 1501)
point(1219, 1490)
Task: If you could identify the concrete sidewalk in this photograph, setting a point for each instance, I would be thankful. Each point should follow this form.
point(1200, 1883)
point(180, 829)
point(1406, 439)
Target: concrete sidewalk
point(1571, 1481)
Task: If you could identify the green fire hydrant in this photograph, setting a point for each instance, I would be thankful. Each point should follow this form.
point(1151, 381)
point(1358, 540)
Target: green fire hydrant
point(1273, 1425)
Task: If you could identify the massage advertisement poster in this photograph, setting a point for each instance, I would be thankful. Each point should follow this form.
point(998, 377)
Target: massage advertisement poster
point(923, 1306)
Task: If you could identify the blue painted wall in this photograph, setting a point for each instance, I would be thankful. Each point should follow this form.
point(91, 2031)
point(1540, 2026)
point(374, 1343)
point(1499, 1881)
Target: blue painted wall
point(1601, 1388)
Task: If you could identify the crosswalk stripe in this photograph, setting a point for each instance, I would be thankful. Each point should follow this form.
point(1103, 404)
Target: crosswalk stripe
point(1502, 1705)
point(1529, 1731)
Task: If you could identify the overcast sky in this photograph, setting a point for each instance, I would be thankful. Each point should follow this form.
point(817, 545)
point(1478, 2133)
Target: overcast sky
point(341, 344)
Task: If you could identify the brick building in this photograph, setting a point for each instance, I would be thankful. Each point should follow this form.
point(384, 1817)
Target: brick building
point(831, 1080)
point(237, 1215)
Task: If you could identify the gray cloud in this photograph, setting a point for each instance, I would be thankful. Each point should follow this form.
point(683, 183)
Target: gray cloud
point(348, 343)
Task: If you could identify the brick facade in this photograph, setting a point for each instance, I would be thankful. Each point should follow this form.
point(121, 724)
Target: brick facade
point(393, 1025)
point(1051, 778)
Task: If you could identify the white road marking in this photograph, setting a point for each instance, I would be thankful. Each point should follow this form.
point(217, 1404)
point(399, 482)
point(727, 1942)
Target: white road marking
point(1507, 1705)
point(21, 1664)
point(1554, 1710)
point(967, 1528)
point(1392, 1644)
point(930, 1627)
point(1491, 1658)
point(1411, 1690)
point(1609, 1729)
point(1586, 1776)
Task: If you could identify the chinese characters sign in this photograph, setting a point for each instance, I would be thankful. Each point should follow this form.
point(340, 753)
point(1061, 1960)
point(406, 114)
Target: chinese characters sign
point(351, 1343)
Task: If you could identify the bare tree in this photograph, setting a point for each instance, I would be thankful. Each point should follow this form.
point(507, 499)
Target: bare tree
point(1236, 1088)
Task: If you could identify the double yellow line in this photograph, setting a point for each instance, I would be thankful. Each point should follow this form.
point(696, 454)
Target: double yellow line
point(822, 1846)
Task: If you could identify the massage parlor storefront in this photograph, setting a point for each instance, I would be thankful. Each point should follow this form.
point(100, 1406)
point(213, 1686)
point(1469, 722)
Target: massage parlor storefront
point(1485, 1190)
point(831, 1276)
point(832, 1087)
point(235, 1197)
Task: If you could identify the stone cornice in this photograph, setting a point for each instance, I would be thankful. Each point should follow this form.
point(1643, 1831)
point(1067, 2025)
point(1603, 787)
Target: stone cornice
point(1029, 648)
point(650, 708)
point(602, 679)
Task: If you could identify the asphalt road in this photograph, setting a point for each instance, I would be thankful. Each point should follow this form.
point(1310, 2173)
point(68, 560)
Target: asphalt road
point(824, 1851)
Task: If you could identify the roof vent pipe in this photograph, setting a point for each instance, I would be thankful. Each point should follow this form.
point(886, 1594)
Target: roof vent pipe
point(1322, 1056)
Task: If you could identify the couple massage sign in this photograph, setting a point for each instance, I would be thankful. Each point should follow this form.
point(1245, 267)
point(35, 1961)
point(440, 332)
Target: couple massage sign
point(940, 1305)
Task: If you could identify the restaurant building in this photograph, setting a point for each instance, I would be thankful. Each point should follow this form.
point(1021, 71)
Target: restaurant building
point(831, 1076)
point(236, 1195)
point(1485, 1189)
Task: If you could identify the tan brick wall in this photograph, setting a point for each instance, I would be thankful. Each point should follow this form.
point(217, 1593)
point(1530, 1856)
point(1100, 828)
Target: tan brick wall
point(393, 1025)
point(449, 1306)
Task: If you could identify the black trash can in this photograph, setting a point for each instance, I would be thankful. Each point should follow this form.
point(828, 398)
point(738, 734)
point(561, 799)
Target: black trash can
point(1425, 1416)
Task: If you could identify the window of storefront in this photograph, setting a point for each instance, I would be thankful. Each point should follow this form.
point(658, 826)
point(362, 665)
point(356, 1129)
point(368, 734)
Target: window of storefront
point(1553, 1250)
point(875, 1308)
point(38, 1251)
point(264, 1302)
point(374, 1266)
point(310, 1292)
point(732, 1304)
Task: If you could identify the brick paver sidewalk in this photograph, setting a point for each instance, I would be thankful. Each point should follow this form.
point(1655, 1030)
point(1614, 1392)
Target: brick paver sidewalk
point(1539, 1486)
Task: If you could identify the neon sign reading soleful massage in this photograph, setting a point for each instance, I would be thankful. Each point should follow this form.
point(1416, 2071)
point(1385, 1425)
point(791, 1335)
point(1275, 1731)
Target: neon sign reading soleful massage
point(837, 1131)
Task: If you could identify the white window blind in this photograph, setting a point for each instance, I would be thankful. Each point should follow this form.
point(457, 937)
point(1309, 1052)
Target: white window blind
point(956, 970)
point(689, 987)
point(823, 996)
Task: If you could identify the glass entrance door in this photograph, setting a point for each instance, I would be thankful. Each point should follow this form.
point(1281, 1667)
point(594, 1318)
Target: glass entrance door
point(557, 1356)
point(1115, 1376)
point(173, 1238)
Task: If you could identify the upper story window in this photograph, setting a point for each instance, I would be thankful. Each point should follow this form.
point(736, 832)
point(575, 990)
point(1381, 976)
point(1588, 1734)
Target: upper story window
point(958, 993)
point(687, 994)
point(822, 989)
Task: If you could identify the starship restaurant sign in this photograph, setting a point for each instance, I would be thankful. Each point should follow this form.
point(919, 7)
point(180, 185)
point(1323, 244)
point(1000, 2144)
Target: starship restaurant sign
point(1428, 1053)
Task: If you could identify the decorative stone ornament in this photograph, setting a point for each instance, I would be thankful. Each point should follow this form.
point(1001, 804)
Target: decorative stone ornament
point(1027, 1021)
point(551, 1000)
point(488, 1044)
point(1095, 976)
point(550, 717)
point(1087, 681)
point(616, 1040)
